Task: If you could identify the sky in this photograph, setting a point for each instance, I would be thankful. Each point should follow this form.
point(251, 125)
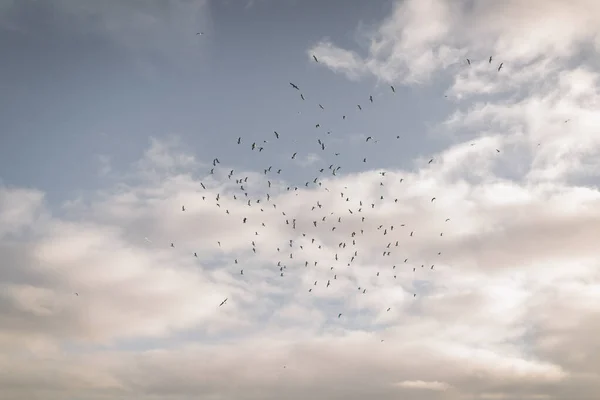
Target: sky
point(435, 243)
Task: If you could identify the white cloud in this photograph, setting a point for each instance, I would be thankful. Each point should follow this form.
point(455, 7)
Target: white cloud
point(549, 76)
point(421, 37)
point(514, 258)
point(424, 385)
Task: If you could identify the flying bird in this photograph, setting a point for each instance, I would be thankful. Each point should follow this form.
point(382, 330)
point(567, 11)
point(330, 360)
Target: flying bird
point(294, 86)
point(500, 67)
point(223, 302)
point(315, 58)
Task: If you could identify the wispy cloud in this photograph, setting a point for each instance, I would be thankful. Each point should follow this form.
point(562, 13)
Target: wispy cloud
point(309, 160)
point(424, 385)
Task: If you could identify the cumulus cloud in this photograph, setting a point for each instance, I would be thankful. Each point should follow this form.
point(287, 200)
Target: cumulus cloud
point(423, 37)
point(541, 106)
point(484, 322)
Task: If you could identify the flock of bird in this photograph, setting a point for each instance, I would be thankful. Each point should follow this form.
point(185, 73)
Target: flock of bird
point(305, 232)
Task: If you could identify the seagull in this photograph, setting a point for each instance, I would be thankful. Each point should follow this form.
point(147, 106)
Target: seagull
point(316, 59)
point(294, 86)
point(200, 33)
point(393, 90)
point(500, 67)
point(223, 302)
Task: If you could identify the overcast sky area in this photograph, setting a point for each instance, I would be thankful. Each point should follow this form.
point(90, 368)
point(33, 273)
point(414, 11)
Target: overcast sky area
point(418, 219)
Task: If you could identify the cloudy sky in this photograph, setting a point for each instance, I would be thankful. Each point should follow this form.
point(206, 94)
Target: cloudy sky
point(112, 113)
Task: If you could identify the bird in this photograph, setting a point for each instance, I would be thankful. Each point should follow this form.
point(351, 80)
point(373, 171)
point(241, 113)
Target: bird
point(294, 86)
point(490, 61)
point(223, 302)
point(393, 90)
point(500, 67)
point(315, 58)
point(199, 33)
